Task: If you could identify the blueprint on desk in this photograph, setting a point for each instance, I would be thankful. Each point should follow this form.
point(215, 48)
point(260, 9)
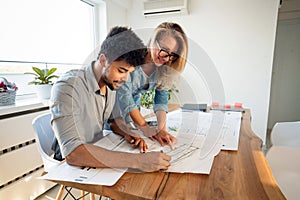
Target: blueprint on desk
point(223, 132)
point(200, 137)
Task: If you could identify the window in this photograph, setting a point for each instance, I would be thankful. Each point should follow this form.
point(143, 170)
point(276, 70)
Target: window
point(56, 33)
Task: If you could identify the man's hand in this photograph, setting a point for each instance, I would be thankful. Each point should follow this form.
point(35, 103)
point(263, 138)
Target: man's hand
point(119, 126)
point(136, 141)
point(153, 161)
point(164, 137)
point(90, 155)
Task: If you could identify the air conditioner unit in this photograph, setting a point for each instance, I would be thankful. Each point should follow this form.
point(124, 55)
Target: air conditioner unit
point(161, 7)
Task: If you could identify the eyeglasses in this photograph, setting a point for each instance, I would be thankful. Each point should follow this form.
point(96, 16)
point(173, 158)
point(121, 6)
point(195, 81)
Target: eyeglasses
point(164, 54)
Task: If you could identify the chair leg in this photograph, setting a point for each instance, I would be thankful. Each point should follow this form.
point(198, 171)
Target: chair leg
point(92, 196)
point(82, 194)
point(60, 192)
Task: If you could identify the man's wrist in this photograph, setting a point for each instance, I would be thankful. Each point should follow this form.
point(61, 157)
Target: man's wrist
point(144, 127)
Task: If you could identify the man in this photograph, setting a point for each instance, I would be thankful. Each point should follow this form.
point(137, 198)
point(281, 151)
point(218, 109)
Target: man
point(83, 100)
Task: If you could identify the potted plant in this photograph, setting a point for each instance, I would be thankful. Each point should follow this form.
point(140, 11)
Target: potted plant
point(147, 100)
point(43, 81)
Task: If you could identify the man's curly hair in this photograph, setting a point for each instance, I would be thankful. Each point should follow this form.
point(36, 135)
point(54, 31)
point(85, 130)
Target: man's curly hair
point(122, 43)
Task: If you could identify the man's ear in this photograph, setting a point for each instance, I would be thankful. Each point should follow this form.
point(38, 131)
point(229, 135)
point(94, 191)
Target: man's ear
point(102, 60)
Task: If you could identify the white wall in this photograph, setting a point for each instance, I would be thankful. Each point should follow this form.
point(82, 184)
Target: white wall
point(238, 36)
point(116, 13)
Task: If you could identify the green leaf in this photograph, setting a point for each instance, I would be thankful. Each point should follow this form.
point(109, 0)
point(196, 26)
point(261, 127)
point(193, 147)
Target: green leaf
point(42, 76)
point(38, 71)
point(51, 77)
point(34, 83)
point(147, 98)
point(51, 71)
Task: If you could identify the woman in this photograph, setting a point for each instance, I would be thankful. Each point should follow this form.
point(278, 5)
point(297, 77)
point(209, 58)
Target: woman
point(165, 59)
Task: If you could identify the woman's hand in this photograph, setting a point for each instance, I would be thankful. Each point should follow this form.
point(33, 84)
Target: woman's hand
point(164, 137)
point(148, 131)
point(136, 141)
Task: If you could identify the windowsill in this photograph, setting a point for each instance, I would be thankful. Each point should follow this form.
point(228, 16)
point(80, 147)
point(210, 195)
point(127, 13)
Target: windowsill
point(24, 103)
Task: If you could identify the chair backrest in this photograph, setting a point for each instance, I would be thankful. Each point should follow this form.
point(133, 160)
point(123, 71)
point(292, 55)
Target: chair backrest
point(286, 134)
point(285, 165)
point(45, 137)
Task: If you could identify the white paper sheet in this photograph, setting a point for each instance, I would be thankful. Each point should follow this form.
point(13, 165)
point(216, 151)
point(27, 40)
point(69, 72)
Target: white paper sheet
point(200, 137)
point(86, 175)
point(217, 130)
point(185, 153)
point(231, 130)
point(191, 129)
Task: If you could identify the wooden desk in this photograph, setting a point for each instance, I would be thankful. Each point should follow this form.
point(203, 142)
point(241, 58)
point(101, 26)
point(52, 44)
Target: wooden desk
point(242, 174)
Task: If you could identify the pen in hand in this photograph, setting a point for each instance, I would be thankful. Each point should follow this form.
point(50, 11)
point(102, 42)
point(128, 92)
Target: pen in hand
point(168, 159)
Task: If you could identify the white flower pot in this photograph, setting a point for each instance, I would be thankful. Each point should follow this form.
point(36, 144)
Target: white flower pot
point(43, 91)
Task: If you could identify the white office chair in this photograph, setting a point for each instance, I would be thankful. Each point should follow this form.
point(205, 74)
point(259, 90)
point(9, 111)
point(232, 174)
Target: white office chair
point(286, 134)
point(45, 137)
point(284, 157)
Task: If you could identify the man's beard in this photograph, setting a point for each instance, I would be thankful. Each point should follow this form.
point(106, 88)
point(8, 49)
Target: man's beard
point(109, 84)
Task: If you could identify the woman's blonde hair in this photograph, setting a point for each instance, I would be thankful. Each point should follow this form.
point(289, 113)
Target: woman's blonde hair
point(168, 72)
